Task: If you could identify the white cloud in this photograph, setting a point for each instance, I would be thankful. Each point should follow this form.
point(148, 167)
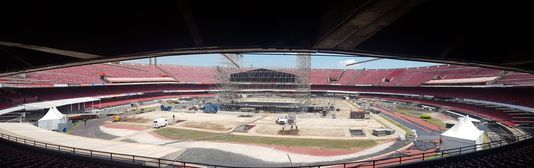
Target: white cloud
point(345, 62)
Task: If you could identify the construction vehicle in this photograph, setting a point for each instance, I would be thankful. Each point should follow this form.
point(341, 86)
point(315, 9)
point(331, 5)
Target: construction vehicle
point(117, 118)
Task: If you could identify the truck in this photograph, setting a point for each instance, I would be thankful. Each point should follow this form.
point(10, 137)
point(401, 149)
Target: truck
point(282, 121)
point(160, 122)
point(211, 108)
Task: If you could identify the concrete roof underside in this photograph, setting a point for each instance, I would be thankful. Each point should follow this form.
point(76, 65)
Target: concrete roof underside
point(43, 35)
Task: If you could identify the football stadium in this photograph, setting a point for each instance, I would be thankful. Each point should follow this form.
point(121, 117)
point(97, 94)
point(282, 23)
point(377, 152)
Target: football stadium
point(368, 83)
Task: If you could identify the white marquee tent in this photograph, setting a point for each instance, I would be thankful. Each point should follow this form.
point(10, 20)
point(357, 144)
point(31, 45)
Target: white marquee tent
point(51, 119)
point(462, 134)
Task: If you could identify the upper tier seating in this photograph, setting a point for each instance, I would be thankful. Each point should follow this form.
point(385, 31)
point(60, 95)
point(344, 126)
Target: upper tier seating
point(403, 77)
point(129, 70)
point(320, 76)
point(191, 74)
point(516, 78)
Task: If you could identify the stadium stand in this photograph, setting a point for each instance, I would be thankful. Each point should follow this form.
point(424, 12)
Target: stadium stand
point(517, 79)
point(473, 110)
point(403, 77)
point(510, 95)
point(515, 155)
point(19, 155)
point(129, 70)
point(320, 77)
point(349, 76)
point(191, 74)
point(74, 82)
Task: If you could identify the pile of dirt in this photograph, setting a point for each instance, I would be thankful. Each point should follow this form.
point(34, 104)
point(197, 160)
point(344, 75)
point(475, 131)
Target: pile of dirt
point(244, 128)
point(289, 132)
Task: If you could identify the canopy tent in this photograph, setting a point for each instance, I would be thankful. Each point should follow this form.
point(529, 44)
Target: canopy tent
point(51, 119)
point(57, 103)
point(462, 134)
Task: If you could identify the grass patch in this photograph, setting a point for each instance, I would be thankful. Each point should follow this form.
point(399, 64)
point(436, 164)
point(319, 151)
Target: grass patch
point(206, 125)
point(182, 134)
point(408, 131)
point(437, 122)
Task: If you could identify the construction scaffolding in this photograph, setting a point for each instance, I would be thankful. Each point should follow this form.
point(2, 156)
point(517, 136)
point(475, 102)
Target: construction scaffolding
point(226, 90)
point(281, 89)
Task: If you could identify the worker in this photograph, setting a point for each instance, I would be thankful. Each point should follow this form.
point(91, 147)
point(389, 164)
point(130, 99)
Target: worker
point(173, 117)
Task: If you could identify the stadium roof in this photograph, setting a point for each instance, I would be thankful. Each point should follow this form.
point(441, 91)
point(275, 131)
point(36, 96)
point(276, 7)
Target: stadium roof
point(12, 109)
point(57, 103)
point(43, 34)
point(462, 80)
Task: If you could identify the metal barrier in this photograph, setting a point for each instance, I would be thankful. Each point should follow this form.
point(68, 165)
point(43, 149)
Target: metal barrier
point(123, 158)
point(158, 162)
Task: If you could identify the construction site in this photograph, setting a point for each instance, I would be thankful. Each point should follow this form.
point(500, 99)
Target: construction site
point(269, 108)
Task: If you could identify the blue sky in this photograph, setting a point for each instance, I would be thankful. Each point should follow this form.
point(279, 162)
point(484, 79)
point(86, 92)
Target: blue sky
point(260, 60)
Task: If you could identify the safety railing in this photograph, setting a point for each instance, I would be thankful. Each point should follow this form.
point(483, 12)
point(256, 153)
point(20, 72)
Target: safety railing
point(427, 155)
point(119, 157)
point(159, 162)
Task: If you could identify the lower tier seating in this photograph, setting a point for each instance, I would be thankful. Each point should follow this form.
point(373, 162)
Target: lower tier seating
point(18, 156)
point(514, 155)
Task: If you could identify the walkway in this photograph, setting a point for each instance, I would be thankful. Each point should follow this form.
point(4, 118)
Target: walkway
point(32, 132)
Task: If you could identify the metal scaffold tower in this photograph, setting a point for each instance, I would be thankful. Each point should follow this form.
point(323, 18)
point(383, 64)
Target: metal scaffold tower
point(303, 82)
point(229, 64)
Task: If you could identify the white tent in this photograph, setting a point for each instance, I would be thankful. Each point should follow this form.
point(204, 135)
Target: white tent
point(59, 114)
point(51, 119)
point(462, 134)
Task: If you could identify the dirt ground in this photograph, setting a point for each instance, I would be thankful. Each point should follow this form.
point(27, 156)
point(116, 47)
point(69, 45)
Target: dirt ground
point(199, 120)
point(309, 124)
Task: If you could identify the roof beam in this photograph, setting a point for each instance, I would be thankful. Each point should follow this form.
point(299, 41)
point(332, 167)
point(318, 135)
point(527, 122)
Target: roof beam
point(364, 22)
point(231, 60)
point(19, 58)
point(67, 53)
point(190, 21)
point(361, 62)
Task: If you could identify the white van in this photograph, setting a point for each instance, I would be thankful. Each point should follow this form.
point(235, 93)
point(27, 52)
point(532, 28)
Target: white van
point(282, 121)
point(160, 122)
